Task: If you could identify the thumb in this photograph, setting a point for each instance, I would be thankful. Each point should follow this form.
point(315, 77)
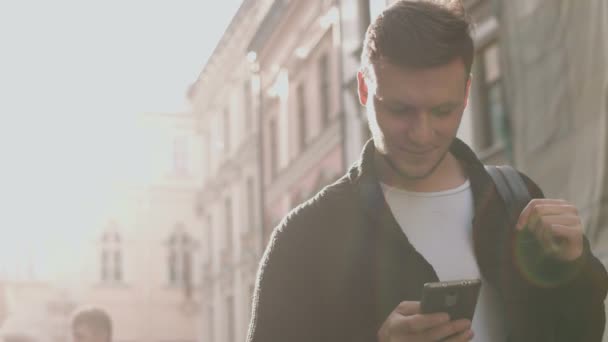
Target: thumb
point(408, 308)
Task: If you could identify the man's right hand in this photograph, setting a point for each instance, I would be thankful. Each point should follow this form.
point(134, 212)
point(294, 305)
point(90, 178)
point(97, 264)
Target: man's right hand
point(407, 324)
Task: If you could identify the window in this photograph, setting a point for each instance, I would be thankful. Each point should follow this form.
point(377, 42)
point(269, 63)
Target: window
point(111, 268)
point(247, 105)
point(493, 129)
point(228, 227)
point(209, 157)
point(324, 88)
point(210, 324)
point(250, 203)
point(117, 265)
point(230, 318)
point(302, 113)
point(179, 258)
point(226, 130)
point(105, 266)
point(274, 153)
point(209, 237)
point(365, 17)
point(187, 270)
point(172, 266)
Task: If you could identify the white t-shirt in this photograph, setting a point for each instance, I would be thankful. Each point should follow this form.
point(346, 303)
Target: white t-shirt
point(439, 226)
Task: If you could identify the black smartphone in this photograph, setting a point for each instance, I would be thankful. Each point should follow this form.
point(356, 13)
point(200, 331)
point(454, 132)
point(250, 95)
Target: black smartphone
point(458, 298)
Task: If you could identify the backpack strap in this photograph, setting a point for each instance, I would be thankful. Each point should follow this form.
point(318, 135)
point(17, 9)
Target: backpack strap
point(511, 188)
point(514, 193)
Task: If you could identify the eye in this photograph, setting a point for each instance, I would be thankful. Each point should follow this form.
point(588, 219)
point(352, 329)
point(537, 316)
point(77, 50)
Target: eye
point(400, 110)
point(442, 112)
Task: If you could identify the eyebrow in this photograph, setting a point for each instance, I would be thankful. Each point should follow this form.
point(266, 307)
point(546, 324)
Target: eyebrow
point(398, 103)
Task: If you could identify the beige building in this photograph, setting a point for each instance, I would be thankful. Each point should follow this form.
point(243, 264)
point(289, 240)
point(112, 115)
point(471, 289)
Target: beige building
point(224, 102)
point(36, 310)
point(271, 120)
point(141, 263)
point(298, 58)
point(557, 88)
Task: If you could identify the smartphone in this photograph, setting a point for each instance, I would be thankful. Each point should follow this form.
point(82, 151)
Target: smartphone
point(458, 298)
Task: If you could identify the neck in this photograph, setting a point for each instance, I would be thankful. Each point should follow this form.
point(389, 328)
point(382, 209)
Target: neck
point(448, 174)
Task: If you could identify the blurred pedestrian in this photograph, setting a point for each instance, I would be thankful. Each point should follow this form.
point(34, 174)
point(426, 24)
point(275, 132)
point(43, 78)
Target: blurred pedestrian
point(91, 325)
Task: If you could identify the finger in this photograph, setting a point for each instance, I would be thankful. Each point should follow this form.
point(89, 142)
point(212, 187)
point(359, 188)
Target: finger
point(466, 335)
point(544, 234)
point(417, 324)
point(548, 240)
point(555, 209)
point(561, 227)
point(568, 232)
point(569, 241)
point(543, 226)
point(448, 329)
point(560, 240)
point(408, 308)
point(524, 216)
point(537, 211)
point(411, 320)
point(564, 220)
point(552, 214)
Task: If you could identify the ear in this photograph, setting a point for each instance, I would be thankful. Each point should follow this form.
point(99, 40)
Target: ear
point(362, 88)
point(467, 91)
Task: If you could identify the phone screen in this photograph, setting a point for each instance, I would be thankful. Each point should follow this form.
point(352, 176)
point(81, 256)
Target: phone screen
point(457, 298)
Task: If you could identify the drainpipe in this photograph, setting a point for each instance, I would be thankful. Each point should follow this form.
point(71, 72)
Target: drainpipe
point(343, 119)
point(261, 160)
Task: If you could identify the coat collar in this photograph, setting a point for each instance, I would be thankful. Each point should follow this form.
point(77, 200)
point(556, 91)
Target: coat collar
point(489, 235)
point(364, 176)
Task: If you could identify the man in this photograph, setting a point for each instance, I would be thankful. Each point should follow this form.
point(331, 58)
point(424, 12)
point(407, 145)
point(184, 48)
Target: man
point(350, 264)
point(92, 325)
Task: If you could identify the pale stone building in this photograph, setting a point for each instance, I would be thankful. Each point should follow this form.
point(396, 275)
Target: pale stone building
point(298, 55)
point(224, 102)
point(141, 263)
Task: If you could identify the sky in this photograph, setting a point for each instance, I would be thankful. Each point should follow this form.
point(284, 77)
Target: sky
point(73, 77)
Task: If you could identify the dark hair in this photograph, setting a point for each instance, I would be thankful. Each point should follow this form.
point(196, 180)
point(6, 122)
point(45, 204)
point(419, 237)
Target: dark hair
point(419, 34)
point(95, 318)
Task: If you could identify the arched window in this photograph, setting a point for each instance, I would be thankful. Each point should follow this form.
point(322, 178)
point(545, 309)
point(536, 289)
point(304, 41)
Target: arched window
point(180, 258)
point(172, 264)
point(111, 258)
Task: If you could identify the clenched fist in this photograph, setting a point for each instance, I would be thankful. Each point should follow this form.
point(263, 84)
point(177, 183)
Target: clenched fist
point(557, 226)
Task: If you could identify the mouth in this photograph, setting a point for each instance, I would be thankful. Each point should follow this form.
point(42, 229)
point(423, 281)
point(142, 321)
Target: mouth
point(415, 152)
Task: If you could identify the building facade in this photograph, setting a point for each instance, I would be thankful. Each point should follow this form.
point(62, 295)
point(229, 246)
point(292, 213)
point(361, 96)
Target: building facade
point(556, 55)
point(35, 310)
point(224, 100)
point(297, 61)
point(301, 59)
point(141, 262)
point(558, 94)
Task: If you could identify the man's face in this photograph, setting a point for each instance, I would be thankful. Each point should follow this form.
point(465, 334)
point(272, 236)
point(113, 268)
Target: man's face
point(84, 333)
point(414, 114)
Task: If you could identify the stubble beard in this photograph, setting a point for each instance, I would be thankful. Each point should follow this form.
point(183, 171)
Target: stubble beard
point(408, 177)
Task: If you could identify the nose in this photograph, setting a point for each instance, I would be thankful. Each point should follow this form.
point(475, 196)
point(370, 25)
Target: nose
point(420, 130)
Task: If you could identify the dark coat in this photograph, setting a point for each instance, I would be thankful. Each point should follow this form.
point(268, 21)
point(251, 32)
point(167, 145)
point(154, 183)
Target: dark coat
point(338, 264)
